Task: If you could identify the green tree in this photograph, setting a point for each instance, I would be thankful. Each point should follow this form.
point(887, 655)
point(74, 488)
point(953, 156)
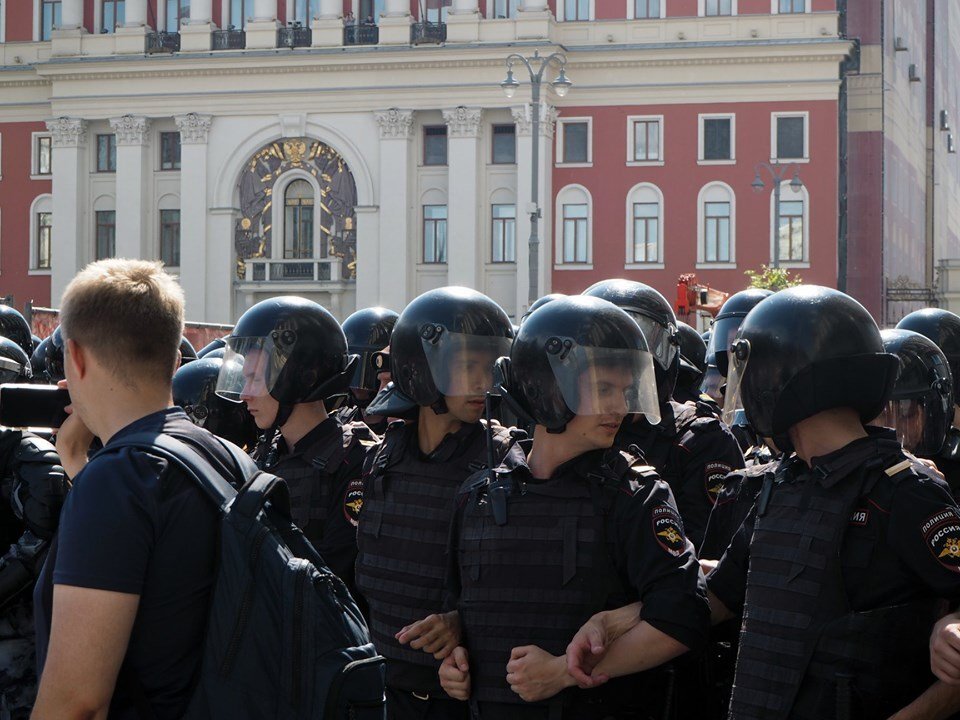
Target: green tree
point(775, 279)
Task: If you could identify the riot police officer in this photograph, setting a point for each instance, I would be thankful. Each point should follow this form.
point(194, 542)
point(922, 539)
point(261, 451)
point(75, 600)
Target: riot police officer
point(195, 390)
point(368, 335)
point(15, 327)
point(839, 567)
point(285, 356)
point(32, 489)
point(577, 526)
point(690, 448)
point(693, 352)
point(943, 328)
point(187, 352)
point(442, 352)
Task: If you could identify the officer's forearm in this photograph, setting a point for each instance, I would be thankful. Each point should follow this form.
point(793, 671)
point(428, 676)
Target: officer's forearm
point(641, 648)
point(617, 622)
point(718, 611)
point(939, 702)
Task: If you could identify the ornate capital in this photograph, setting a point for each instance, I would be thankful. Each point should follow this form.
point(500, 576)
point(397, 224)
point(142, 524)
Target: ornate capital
point(463, 121)
point(130, 129)
point(548, 120)
point(68, 132)
point(193, 128)
point(395, 123)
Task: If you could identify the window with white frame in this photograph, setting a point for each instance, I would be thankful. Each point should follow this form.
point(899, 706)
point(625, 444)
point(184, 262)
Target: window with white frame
point(170, 237)
point(112, 15)
point(645, 225)
point(435, 234)
point(304, 11)
point(50, 17)
point(716, 224)
point(790, 136)
point(105, 234)
point(574, 141)
point(502, 8)
point(785, 7)
point(41, 162)
point(645, 139)
point(792, 237)
point(574, 210)
point(647, 9)
point(576, 10)
point(240, 12)
point(717, 139)
point(176, 11)
point(41, 233)
point(717, 8)
point(503, 233)
point(298, 219)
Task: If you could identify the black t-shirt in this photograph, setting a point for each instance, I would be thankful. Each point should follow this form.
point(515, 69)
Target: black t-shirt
point(134, 524)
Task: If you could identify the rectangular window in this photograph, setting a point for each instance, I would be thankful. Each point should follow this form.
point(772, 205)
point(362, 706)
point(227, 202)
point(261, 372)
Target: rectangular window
point(504, 144)
point(717, 7)
point(169, 151)
point(305, 10)
point(505, 8)
point(50, 17)
point(717, 139)
point(170, 238)
point(177, 11)
point(504, 234)
point(646, 140)
point(44, 240)
point(240, 11)
point(435, 145)
point(575, 233)
point(106, 234)
point(716, 224)
point(576, 10)
point(106, 153)
point(576, 142)
point(646, 232)
point(791, 132)
point(434, 233)
point(44, 155)
point(113, 15)
point(792, 6)
point(791, 231)
point(647, 9)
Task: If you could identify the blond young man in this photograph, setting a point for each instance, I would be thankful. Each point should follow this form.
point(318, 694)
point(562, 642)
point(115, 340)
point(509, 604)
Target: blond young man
point(122, 601)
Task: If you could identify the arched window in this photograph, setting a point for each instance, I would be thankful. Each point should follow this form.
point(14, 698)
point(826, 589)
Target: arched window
point(41, 233)
point(298, 221)
point(716, 225)
point(574, 227)
point(794, 232)
point(645, 225)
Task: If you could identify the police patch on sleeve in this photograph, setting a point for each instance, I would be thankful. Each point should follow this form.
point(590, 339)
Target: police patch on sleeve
point(353, 502)
point(713, 475)
point(668, 530)
point(941, 533)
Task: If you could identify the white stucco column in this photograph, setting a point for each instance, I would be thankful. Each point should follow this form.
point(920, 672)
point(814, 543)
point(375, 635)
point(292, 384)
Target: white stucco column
point(533, 5)
point(368, 256)
point(133, 209)
point(135, 13)
point(395, 23)
point(201, 11)
point(396, 258)
point(521, 116)
point(69, 211)
point(71, 14)
point(463, 21)
point(193, 212)
point(331, 8)
point(465, 249)
point(327, 28)
point(195, 34)
point(396, 7)
point(463, 7)
point(534, 20)
point(221, 265)
point(265, 9)
point(261, 32)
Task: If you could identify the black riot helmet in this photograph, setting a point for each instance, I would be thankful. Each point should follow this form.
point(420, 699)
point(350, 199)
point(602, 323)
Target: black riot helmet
point(288, 347)
point(54, 359)
point(35, 341)
point(215, 344)
point(368, 332)
point(195, 390)
point(14, 327)
point(38, 362)
point(14, 363)
point(693, 354)
point(539, 303)
point(802, 351)
point(557, 359)
point(727, 323)
point(434, 333)
point(655, 316)
point(921, 406)
point(187, 352)
point(943, 327)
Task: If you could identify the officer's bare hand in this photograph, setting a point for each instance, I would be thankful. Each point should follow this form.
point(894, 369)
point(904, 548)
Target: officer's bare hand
point(436, 634)
point(455, 674)
point(73, 441)
point(534, 674)
point(945, 649)
point(590, 644)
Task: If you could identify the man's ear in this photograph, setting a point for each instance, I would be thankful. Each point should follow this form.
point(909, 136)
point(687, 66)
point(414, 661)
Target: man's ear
point(76, 356)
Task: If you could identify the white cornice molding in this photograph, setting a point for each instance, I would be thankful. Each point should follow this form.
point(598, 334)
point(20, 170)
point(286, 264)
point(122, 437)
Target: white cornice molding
point(463, 122)
point(194, 128)
point(130, 129)
point(68, 132)
point(395, 123)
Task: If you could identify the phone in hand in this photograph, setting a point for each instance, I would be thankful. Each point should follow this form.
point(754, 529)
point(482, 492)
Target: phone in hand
point(40, 406)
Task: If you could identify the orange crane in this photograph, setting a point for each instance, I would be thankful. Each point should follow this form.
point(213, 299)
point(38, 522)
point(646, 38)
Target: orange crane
point(693, 296)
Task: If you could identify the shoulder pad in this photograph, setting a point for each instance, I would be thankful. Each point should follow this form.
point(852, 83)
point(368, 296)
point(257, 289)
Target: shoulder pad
point(34, 449)
point(899, 471)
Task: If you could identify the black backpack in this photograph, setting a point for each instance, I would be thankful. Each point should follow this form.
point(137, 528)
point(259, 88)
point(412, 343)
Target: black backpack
point(285, 640)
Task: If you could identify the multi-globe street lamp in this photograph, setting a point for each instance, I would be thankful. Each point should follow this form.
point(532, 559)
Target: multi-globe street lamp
point(779, 174)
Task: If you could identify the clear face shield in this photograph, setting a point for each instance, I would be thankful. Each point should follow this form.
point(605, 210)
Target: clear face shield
point(10, 371)
point(733, 413)
point(906, 417)
point(721, 338)
point(662, 341)
point(922, 421)
point(605, 381)
point(249, 369)
point(461, 364)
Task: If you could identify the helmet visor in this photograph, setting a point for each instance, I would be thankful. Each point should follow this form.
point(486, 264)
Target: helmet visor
point(10, 371)
point(907, 418)
point(251, 368)
point(365, 374)
point(461, 364)
point(733, 413)
point(605, 381)
point(723, 333)
point(662, 341)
